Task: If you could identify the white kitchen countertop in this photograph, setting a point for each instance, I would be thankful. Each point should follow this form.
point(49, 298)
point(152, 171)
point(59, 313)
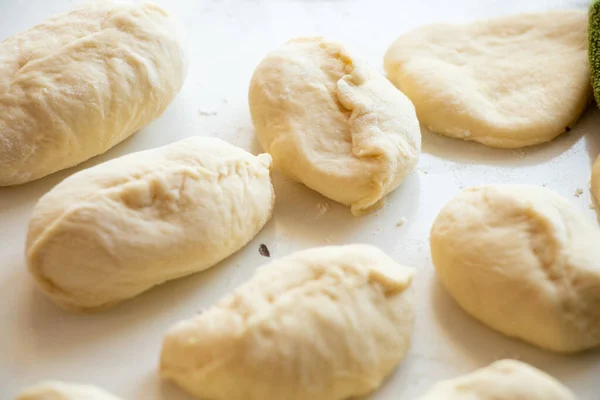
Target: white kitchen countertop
point(118, 349)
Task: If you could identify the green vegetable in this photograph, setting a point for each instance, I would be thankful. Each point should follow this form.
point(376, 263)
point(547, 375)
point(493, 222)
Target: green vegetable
point(594, 46)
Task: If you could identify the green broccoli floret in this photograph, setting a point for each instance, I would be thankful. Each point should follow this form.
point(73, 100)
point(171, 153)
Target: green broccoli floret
point(594, 47)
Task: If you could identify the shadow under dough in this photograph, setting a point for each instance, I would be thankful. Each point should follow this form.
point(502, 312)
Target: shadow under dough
point(463, 151)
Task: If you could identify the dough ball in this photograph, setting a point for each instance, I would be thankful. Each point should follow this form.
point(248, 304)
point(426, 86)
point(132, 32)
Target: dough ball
point(333, 123)
point(596, 180)
point(78, 83)
point(112, 231)
point(524, 261)
point(321, 324)
point(502, 380)
point(506, 82)
point(53, 390)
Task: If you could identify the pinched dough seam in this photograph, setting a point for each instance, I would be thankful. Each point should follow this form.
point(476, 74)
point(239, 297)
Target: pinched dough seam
point(300, 290)
point(383, 177)
point(251, 320)
point(76, 38)
point(42, 238)
point(563, 280)
point(568, 283)
point(47, 107)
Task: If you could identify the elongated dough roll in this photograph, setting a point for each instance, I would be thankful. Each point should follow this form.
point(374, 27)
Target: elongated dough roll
point(77, 84)
point(110, 232)
point(327, 323)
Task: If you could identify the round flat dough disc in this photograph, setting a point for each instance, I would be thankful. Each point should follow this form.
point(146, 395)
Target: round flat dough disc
point(506, 82)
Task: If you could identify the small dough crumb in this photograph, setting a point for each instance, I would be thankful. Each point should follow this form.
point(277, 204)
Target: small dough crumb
point(207, 112)
point(578, 192)
point(322, 208)
point(401, 222)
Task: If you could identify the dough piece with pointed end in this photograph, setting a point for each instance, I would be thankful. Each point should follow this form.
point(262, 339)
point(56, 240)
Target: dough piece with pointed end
point(501, 380)
point(115, 230)
point(78, 83)
point(54, 390)
point(505, 82)
point(333, 123)
point(524, 261)
point(321, 324)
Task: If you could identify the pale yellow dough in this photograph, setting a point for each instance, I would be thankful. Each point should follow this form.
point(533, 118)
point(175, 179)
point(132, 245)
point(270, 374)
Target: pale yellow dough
point(78, 83)
point(321, 324)
point(112, 231)
point(54, 390)
point(524, 261)
point(596, 180)
point(505, 82)
point(333, 123)
point(501, 380)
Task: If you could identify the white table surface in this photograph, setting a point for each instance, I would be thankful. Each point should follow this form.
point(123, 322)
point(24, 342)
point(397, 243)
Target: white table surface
point(118, 349)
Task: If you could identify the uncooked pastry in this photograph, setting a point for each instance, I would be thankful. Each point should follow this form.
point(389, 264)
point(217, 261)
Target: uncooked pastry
point(524, 261)
point(78, 83)
point(596, 180)
point(502, 380)
point(505, 82)
point(53, 390)
point(333, 123)
point(112, 231)
point(321, 324)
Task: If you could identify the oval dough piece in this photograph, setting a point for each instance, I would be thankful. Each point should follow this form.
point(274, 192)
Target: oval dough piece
point(112, 231)
point(333, 123)
point(321, 324)
point(524, 261)
point(53, 390)
point(77, 84)
point(501, 380)
point(506, 82)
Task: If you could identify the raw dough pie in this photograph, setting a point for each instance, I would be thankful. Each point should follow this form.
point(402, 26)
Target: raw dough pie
point(78, 83)
point(112, 231)
point(502, 380)
point(505, 82)
point(53, 390)
point(333, 123)
point(524, 261)
point(321, 324)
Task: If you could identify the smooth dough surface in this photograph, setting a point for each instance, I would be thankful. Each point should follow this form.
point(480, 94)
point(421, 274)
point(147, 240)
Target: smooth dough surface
point(505, 82)
point(501, 380)
point(112, 231)
point(54, 390)
point(333, 123)
point(321, 324)
point(78, 83)
point(524, 261)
